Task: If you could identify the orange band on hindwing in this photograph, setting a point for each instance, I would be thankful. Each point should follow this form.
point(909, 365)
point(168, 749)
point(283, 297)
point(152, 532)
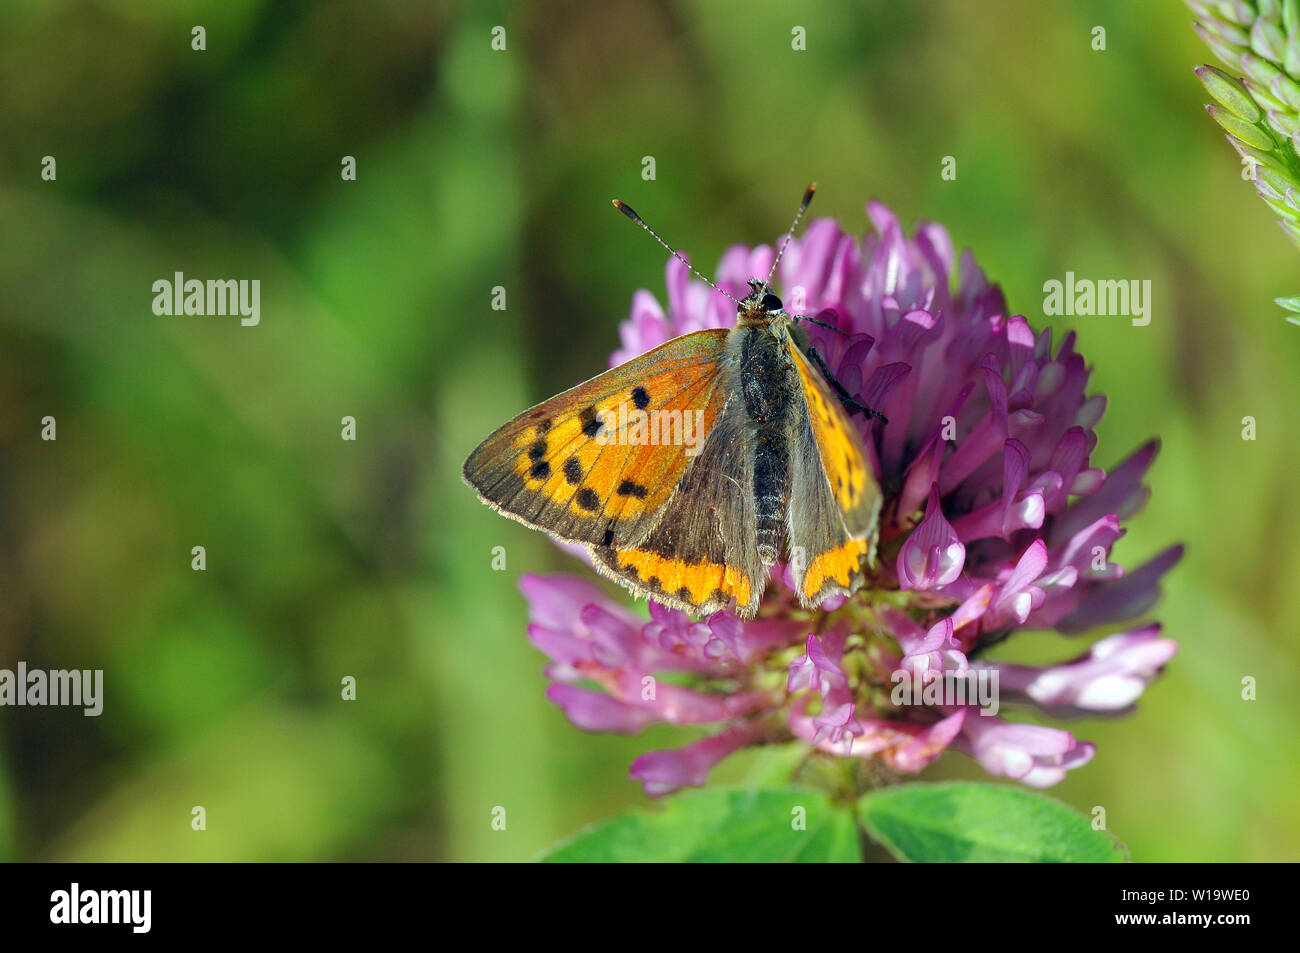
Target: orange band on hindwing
point(694, 583)
point(835, 565)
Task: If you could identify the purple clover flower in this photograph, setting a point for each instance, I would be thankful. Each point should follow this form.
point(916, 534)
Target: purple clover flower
point(994, 520)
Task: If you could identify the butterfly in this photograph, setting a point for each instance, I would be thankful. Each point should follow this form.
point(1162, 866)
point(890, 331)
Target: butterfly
point(685, 469)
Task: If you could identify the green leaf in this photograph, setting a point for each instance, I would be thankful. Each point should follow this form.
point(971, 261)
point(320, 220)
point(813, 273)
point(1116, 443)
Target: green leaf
point(1261, 71)
point(1267, 40)
point(1287, 89)
point(1269, 103)
point(722, 824)
point(1226, 32)
point(1291, 58)
point(1281, 208)
point(1275, 180)
point(1228, 92)
point(1292, 230)
point(968, 821)
point(1247, 132)
point(772, 766)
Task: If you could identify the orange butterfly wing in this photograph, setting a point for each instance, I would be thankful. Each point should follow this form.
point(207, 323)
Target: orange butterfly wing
point(834, 499)
point(597, 463)
point(703, 551)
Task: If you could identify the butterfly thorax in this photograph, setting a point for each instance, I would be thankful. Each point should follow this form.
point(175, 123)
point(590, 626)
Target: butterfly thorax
point(769, 387)
point(760, 356)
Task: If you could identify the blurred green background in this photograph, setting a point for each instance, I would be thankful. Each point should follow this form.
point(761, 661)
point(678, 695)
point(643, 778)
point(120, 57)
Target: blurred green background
point(478, 168)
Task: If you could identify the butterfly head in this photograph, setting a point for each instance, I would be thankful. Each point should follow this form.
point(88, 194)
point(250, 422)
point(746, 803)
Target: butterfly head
point(760, 306)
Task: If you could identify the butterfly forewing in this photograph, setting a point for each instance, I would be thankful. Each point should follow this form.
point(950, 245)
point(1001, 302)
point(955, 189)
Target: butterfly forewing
point(834, 498)
point(597, 463)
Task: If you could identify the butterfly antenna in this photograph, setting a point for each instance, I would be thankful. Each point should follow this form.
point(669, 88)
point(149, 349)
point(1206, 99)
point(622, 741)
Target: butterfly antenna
point(803, 207)
point(631, 213)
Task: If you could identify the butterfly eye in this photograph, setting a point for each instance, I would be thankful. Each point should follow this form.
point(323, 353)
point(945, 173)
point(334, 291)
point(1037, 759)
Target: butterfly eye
point(771, 303)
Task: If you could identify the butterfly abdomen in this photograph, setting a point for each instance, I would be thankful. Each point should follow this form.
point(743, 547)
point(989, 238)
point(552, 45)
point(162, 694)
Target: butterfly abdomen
point(771, 491)
point(768, 386)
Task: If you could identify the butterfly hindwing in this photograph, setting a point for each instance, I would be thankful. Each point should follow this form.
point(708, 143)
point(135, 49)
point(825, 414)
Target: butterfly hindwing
point(578, 467)
point(834, 498)
point(703, 552)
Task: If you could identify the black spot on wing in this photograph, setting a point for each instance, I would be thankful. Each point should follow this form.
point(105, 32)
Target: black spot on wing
point(641, 398)
point(540, 471)
point(538, 449)
point(587, 499)
point(591, 424)
point(573, 471)
point(628, 488)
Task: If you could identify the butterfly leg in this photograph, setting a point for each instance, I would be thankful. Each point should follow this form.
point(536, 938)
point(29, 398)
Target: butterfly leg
point(845, 397)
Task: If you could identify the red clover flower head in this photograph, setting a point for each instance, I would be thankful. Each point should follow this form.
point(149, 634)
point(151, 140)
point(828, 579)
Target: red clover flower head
point(994, 520)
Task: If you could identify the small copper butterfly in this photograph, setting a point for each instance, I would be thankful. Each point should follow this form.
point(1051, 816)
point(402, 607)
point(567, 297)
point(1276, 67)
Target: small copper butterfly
point(687, 469)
